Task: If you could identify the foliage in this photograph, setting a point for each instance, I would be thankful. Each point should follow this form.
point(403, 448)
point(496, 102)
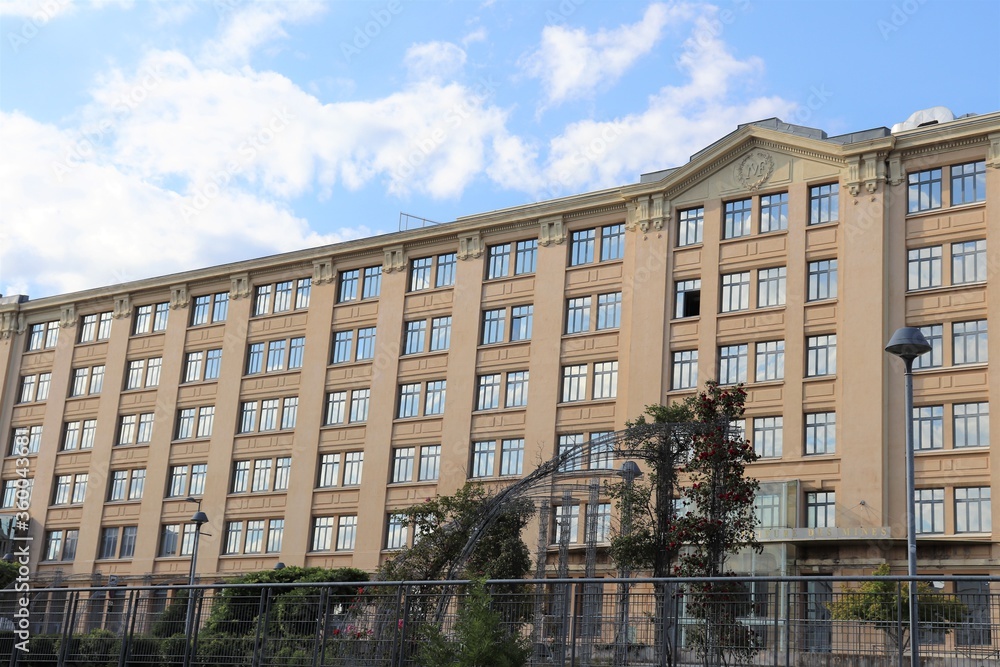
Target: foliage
point(42, 650)
point(8, 573)
point(171, 621)
point(97, 647)
point(885, 603)
point(480, 638)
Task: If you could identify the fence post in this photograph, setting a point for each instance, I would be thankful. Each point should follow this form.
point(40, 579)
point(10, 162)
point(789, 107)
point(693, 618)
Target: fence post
point(265, 594)
point(777, 621)
point(324, 597)
point(899, 621)
point(677, 625)
point(127, 627)
point(404, 616)
point(574, 590)
point(66, 632)
point(789, 605)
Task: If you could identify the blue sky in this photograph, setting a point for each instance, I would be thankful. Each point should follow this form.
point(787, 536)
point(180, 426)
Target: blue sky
point(140, 138)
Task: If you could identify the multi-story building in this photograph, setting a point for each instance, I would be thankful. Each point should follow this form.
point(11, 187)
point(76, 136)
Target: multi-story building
point(301, 399)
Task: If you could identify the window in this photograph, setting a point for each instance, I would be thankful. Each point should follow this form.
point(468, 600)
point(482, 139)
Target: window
point(241, 476)
point(733, 364)
point(109, 543)
point(269, 414)
point(61, 545)
point(520, 322)
point(973, 512)
point(571, 452)
point(178, 482)
point(177, 539)
point(488, 395)
point(567, 524)
point(969, 342)
point(767, 508)
point(773, 212)
point(210, 308)
point(136, 429)
point(609, 310)
point(735, 292)
point(336, 407)
point(736, 218)
point(824, 203)
point(276, 355)
point(342, 344)
point(822, 280)
point(366, 344)
point(289, 411)
point(517, 389)
point(87, 381)
point(605, 380)
point(767, 436)
point(685, 370)
point(33, 435)
point(353, 464)
point(581, 247)
point(323, 533)
point(440, 333)
point(968, 262)
point(17, 492)
point(415, 334)
point(574, 384)
point(430, 463)
point(511, 456)
point(182, 485)
point(821, 509)
point(578, 315)
point(347, 530)
point(137, 484)
point(929, 510)
point(602, 453)
point(972, 424)
point(275, 534)
point(402, 464)
point(924, 267)
point(821, 355)
point(968, 183)
point(498, 261)
point(428, 272)
point(43, 336)
point(771, 287)
point(95, 327)
point(143, 373)
point(928, 427)
point(62, 489)
point(288, 295)
point(691, 225)
point(28, 388)
point(934, 333)
point(274, 414)
point(371, 287)
point(359, 405)
point(483, 454)
point(185, 423)
point(409, 400)
point(771, 361)
point(688, 300)
point(329, 470)
point(493, 326)
point(261, 476)
point(255, 537)
point(435, 397)
point(35, 387)
point(525, 256)
point(296, 352)
point(612, 242)
point(151, 318)
point(79, 435)
point(396, 532)
point(234, 537)
point(821, 433)
point(924, 190)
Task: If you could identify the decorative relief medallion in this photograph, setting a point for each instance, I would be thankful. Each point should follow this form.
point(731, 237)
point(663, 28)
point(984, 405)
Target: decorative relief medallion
point(754, 169)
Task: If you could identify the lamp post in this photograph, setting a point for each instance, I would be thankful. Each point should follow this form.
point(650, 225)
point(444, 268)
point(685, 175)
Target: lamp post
point(629, 473)
point(908, 344)
point(199, 519)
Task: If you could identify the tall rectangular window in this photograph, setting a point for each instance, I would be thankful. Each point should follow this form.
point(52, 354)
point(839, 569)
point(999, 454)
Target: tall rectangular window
point(771, 287)
point(261, 476)
point(289, 411)
point(440, 333)
point(136, 484)
point(353, 464)
point(255, 537)
point(822, 280)
point(445, 276)
point(684, 373)
point(348, 285)
point(574, 384)
point(928, 427)
point(255, 358)
point(343, 341)
point(296, 352)
point(192, 366)
point(488, 394)
point(609, 311)
point(605, 380)
point(366, 344)
point(821, 355)
point(282, 472)
point(360, 399)
point(578, 315)
point(262, 300)
point(525, 255)
point(483, 455)
point(773, 212)
point(322, 539)
point(767, 436)
point(929, 510)
point(612, 242)
point(126, 430)
point(520, 322)
point(71, 436)
point(402, 464)
point(276, 355)
point(498, 261)
point(248, 416)
point(688, 298)
point(434, 397)
point(934, 333)
point(493, 326)
point(398, 526)
point(336, 407)
point(968, 183)
point(372, 287)
point(109, 543)
point(517, 389)
point(924, 190)
point(511, 456)
point(924, 267)
point(602, 532)
point(201, 309)
point(567, 524)
point(968, 262)
point(602, 453)
point(969, 342)
point(144, 434)
point(973, 510)
point(770, 361)
point(571, 452)
point(430, 463)
point(303, 291)
point(421, 273)
point(821, 509)
point(735, 292)
point(824, 203)
point(581, 247)
point(821, 432)
point(269, 414)
point(409, 400)
point(95, 327)
point(972, 424)
point(691, 223)
point(733, 364)
point(88, 433)
point(736, 218)
point(416, 331)
point(347, 530)
point(329, 470)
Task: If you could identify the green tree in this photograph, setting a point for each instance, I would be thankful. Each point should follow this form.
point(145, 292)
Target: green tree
point(885, 604)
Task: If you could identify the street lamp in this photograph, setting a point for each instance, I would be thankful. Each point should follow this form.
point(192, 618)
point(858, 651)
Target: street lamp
point(908, 344)
point(199, 519)
point(629, 473)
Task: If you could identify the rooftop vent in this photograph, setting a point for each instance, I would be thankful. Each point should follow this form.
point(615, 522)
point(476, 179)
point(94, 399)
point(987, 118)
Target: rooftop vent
point(924, 117)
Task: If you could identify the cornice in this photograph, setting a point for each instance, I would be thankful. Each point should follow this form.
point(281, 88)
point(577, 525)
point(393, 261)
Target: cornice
point(613, 208)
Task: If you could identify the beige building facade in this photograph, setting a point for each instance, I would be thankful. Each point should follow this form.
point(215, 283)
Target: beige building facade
point(300, 399)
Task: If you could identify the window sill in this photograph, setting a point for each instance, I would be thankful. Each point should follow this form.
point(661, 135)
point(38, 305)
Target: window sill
point(255, 316)
point(429, 290)
point(823, 302)
point(819, 378)
point(825, 223)
point(943, 208)
point(937, 289)
point(689, 246)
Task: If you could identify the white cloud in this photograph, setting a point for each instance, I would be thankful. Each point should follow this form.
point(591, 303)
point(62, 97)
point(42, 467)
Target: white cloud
point(41, 11)
point(249, 27)
point(434, 60)
point(477, 35)
point(573, 63)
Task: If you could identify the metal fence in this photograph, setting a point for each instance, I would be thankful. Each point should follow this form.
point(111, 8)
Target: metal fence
point(803, 621)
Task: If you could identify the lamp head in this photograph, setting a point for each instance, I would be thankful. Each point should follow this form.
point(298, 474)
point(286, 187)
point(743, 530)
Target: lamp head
point(908, 344)
point(630, 471)
point(279, 565)
point(199, 518)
